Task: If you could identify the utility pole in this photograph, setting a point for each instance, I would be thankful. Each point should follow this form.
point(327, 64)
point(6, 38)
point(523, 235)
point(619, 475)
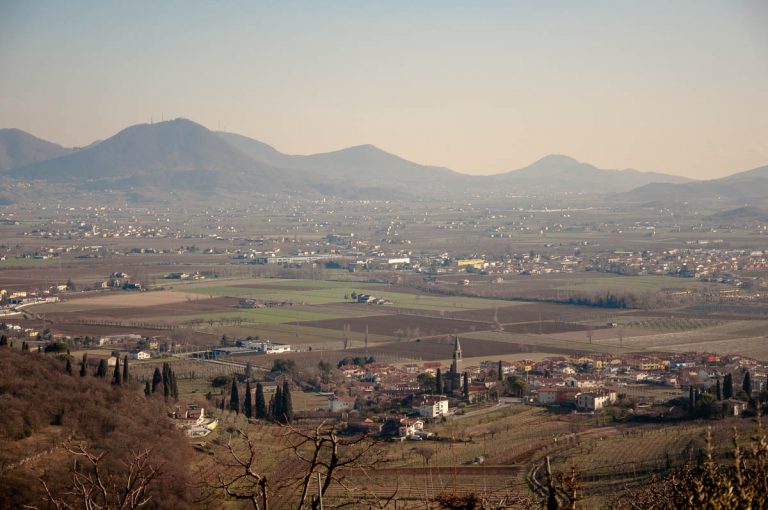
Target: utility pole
point(319, 491)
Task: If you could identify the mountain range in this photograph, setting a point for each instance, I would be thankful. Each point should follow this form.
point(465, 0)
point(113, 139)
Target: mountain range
point(181, 154)
point(18, 148)
point(751, 185)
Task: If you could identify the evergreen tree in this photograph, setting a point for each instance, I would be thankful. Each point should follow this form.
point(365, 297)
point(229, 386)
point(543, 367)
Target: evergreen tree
point(69, 366)
point(174, 386)
point(125, 368)
point(728, 386)
point(166, 375)
point(83, 364)
point(277, 406)
point(157, 378)
point(234, 399)
point(438, 382)
point(718, 390)
point(24, 346)
point(466, 386)
point(261, 405)
point(691, 401)
point(101, 371)
point(271, 411)
point(287, 406)
point(3, 340)
point(500, 372)
point(248, 404)
point(147, 389)
point(116, 378)
point(746, 385)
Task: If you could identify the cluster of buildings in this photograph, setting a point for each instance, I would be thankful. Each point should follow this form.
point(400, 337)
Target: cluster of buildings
point(579, 383)
point(13, 302)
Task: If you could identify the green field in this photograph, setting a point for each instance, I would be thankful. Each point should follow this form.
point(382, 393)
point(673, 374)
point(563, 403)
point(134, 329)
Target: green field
point(310, 297)
point(438, 303)
point(26, 262)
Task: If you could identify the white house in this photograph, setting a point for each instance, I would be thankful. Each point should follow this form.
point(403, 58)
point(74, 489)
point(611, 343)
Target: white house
point(410, 427)
point(337, 404)
point(594, 400)
point(432, 407)
point(140, 355)
point(266, 347)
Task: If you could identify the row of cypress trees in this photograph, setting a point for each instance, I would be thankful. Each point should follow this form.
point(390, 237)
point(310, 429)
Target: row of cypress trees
point(280, 407)
point(166, 378)
point(118, 376)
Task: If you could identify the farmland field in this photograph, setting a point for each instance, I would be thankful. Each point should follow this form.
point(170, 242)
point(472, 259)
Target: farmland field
point(310, 292)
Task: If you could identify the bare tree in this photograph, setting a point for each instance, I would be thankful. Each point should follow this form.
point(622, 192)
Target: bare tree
point(320, 451)
point(246, 484)
point(96, 487)
point(323, 452)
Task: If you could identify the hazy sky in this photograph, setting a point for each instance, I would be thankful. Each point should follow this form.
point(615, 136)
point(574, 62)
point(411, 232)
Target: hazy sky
point(481, 87)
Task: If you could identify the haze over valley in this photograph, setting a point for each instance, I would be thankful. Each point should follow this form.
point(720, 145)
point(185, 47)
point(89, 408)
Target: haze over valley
point(397, 255)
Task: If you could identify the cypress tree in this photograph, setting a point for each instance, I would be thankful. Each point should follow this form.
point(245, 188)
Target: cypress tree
point(261, 405)
point(24, 346)
point(69, 366)
point(156, 380)
point(287, 406)
point(718, 390)
point(691, 400)
point(3, 340)
point(234, 399)
point(166, 380)
point(500, 372)
point(101, 371)
point(83, 364)
point(248, 404)
point(439, 382)
point(174, 386)
point(116, 378)
point(271, 411)
point(147, 389)
point(728, 386)
point(466, 385)
point(277, 406)
point(125, 368)
point(746, 385)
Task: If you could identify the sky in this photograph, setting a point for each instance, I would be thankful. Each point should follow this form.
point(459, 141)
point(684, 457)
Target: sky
point(481, 87)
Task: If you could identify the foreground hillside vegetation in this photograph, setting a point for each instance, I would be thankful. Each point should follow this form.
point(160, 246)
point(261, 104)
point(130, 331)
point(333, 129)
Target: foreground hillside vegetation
point(73, 440)
point(71, 434)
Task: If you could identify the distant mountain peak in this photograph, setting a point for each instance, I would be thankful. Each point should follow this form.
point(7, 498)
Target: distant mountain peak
point(19, 148)
point(558, 158)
